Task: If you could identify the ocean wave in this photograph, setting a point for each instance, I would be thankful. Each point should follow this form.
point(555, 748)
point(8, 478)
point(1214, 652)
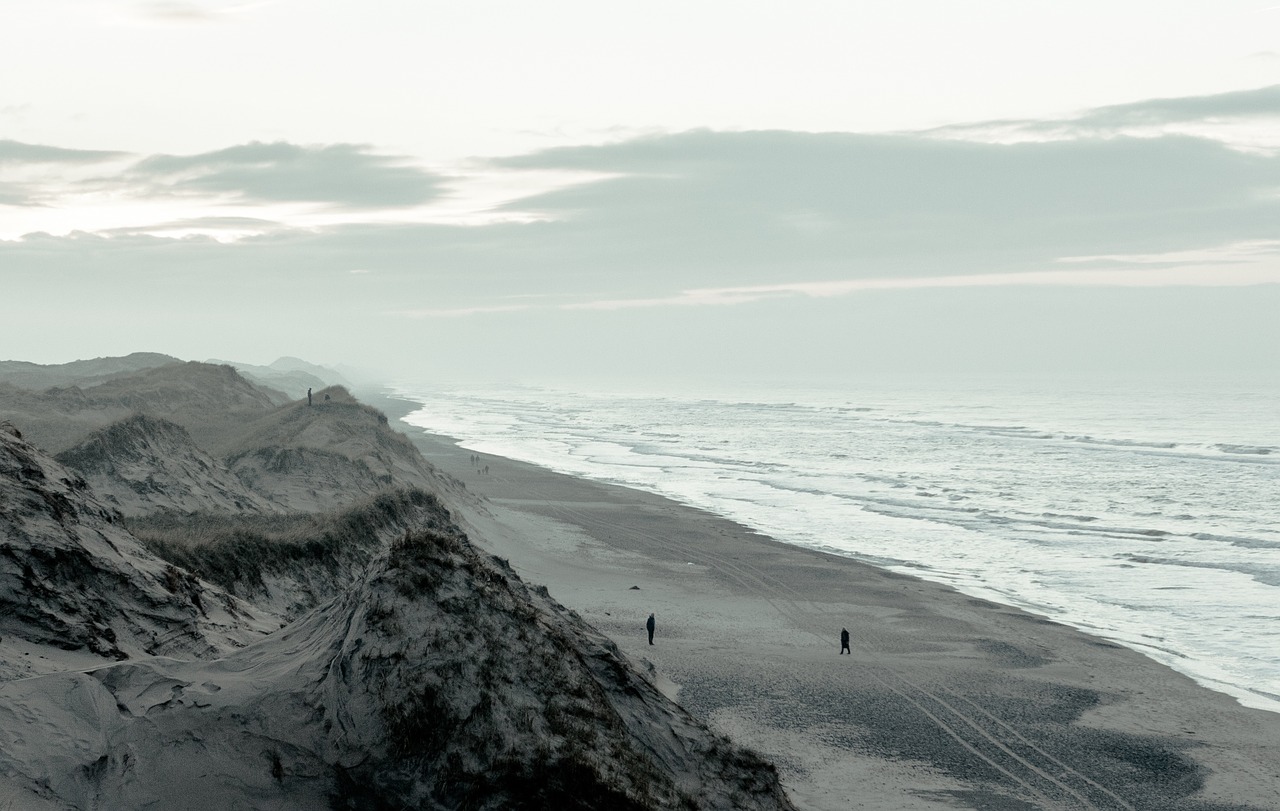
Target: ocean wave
point(1258, 450)
point(1266, 575)
point(1024, 433)
point(1121, 443)
point(1243, 543)
point(1072, 517)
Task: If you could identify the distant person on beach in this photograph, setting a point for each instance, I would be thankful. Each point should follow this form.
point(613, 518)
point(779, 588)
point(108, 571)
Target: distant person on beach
point(308, 396)
point(649, 624)
point(844, 642)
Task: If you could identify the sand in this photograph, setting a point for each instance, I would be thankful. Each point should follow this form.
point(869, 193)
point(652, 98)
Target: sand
point(946, 701)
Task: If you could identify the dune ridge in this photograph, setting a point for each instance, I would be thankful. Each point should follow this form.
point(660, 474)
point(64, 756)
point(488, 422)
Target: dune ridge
point(334, 639)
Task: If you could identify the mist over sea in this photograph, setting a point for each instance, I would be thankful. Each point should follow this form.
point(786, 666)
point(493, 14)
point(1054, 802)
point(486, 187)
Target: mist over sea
point(1147, 515)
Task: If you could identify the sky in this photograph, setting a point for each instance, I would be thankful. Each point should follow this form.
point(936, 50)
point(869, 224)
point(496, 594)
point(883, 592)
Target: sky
point(747, 191)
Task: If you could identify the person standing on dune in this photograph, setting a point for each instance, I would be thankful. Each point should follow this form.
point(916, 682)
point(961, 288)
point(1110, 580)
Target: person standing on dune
point(649, 625)
point(844, 642)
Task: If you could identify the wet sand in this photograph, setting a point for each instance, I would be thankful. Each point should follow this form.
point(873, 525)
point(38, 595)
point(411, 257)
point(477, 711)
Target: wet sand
point(946, 701)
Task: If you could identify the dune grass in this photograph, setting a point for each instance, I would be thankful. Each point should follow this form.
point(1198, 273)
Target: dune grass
point(235, 551)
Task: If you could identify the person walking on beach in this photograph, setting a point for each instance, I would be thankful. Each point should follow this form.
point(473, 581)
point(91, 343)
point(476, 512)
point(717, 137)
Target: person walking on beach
point(649, 625)
point(844, 642)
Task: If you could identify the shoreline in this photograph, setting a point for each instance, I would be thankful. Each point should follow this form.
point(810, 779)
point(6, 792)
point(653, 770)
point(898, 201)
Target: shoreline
point(946, 701)
point(1197, 664)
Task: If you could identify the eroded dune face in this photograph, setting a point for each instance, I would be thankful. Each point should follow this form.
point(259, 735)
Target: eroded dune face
point(337, 451)
point(73, 579)
point(418, 673)
point(142, 464)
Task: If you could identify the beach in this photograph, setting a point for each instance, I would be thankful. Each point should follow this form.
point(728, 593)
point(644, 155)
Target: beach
point(946, 701)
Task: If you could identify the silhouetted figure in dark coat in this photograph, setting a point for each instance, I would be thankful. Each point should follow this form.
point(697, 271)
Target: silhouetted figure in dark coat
point(649, 624)
point(308, 396)
point(844, 642)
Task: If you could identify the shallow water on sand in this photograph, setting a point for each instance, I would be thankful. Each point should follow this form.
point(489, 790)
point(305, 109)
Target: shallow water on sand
point(1149, 517)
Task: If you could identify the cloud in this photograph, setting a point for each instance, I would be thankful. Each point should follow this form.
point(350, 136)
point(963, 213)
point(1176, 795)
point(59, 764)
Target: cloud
point(753, 205)
point(1262, 102)
point(1243, 265)
point(1246, 119)
point(343, 175)
point(185, 12)
point(59, 190)
point(14, 194)
point(711, 219)
point(175, 12)
point(716, 210)
point(705, 251)
point(679, 203)
point(1190, 276)
point(222, 229)
point(28, 170)
point(1237, 253)
point(16, 152)
point(461, 312)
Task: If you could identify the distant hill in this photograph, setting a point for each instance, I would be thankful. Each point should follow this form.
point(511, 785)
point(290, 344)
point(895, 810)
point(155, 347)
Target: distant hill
point(82, 373)
point(292, 376)
point(195, 436)
point(292, 364)
point(211, 402)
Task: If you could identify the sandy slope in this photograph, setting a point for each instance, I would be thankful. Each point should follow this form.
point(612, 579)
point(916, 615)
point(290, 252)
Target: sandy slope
point(142, 464)
point(72, 578)
point(314, 458)
point(946, 702)
point(393, 695)
point(422, 674)
point(212, 402)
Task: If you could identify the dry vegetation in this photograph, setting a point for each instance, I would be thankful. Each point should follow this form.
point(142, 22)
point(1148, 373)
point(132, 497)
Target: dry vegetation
point(236, 551)
point(514, 703)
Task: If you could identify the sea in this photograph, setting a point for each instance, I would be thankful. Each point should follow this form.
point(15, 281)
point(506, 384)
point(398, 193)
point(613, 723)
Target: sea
point(1147, 514)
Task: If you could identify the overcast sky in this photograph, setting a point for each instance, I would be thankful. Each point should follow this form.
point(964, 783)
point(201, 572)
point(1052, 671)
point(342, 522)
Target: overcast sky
point(558, 190)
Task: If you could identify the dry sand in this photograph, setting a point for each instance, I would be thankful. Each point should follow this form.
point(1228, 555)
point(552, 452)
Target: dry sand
point(946, 701)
